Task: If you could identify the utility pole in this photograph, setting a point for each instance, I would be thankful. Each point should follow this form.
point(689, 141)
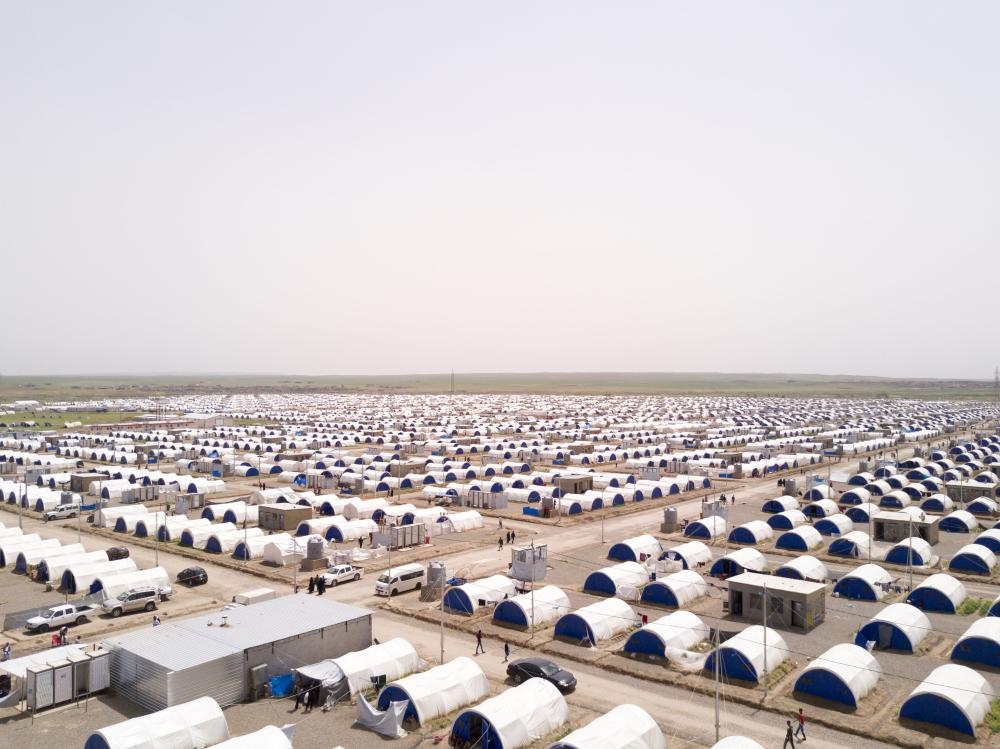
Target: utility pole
point(764, 616)
point(718, 644)
point(444, 575)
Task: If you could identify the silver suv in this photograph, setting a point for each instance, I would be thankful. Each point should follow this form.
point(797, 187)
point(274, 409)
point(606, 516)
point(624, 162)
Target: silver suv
point(137, 599)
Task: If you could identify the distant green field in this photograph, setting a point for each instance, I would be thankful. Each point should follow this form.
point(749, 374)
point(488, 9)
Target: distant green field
point(48, 420)
point(595, 383)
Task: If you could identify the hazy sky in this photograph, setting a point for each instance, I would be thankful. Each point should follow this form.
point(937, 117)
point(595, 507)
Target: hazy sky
point(376, 187)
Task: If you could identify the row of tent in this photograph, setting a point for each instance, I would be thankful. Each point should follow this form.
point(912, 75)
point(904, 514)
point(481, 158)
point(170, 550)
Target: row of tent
point(71, 567)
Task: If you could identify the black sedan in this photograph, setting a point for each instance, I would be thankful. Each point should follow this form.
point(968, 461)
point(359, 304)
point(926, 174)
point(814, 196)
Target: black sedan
point(192, 576)
point(529, 668)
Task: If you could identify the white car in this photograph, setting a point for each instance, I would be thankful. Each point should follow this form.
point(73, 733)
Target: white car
point(62, 511)
point(58, 616)
point(342, 573)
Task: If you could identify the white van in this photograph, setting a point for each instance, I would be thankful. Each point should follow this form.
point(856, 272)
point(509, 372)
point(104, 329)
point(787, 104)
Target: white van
point(255, 596)
point(400, 579)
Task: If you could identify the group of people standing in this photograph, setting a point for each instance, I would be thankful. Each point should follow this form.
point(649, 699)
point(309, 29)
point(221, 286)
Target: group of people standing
point(509, 538)
point(317, 584)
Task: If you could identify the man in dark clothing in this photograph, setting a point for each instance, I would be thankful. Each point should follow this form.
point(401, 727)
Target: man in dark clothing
point(481, 649)
point(789, 736)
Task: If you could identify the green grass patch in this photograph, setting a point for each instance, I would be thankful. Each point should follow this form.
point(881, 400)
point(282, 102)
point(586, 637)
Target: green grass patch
point(45, 420)
point(972, 606)
point(993, 717)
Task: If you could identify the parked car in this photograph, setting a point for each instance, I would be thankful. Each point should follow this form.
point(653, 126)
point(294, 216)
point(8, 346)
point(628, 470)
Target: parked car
point(58, 616)
point(342, 573)
point(530, 668)
point(62, 511)
point(137, 599)
point(117, 552)
point(400, 579)
point(192, 576)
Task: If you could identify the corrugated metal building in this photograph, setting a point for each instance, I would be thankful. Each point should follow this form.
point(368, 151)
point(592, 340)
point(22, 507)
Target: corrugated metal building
point(175, 663)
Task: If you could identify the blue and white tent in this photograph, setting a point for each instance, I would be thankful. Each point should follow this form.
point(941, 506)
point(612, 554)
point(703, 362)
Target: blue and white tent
point(675, 590)
point(737, 562)
point(834, 525)
point(980, 643)
point(625, 578)
point(864, 583)
point(623, 727)
point(913, 550)
point(752, 532)
point(784, 521)
point(680, 630)
point(804, 567)
point(845, 673)
point(975, 559)
point(544, 605)
point(691, 554)
point(940, 592)
point(959, 521)
point(803, 538)
point(899, 626)
point(636, 549)
point(952, 696)
point(744, 656)
point(598, 621)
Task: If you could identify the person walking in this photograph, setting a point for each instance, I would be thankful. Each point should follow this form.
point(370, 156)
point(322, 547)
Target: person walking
point(513, 536)
point(506, 652)
point(479, 643)
point(307, 704)
point(6, 653)
point(312, 584)
point(500, 544)
point(802, 725)
point(789, 736)
point(320, 585)
point(361, 542)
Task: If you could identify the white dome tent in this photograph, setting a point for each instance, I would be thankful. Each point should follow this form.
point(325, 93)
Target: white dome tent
point(845, 673)
point(352, 672)
point(746, 657)
point(680, 630)
point(540, 607)
point(192, 725)
point(437, 691)
point(899, 626)
point(596, 622)
point(514, 718)
point(952, 696)
point(623, 727)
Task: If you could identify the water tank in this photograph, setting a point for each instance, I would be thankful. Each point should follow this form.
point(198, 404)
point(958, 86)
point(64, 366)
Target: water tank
point(791, 487)
point(314, 548)
point(436, 575)
point(436, 582)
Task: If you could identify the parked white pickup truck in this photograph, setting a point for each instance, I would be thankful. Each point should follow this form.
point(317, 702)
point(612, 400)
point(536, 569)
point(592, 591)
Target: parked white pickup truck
point(58, 616)
point(342, 573)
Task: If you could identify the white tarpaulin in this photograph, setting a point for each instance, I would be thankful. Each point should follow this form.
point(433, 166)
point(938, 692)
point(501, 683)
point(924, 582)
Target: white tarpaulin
point(387, 722)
